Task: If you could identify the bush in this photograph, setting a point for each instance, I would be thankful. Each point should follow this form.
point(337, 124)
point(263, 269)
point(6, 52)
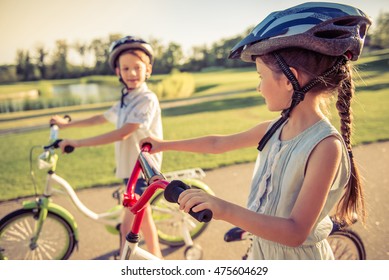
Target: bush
point(176, 85)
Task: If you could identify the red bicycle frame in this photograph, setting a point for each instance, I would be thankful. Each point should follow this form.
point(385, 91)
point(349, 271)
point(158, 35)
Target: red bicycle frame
point(155, 180)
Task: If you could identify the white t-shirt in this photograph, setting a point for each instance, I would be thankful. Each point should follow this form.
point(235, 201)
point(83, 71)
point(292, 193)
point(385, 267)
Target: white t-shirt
point(141, 106)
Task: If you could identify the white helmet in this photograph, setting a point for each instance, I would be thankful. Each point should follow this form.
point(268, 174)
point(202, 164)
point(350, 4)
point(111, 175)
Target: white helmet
point(128, 43)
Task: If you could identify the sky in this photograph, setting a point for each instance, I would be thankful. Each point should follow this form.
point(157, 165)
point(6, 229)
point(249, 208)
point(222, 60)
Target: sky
point(26, 24)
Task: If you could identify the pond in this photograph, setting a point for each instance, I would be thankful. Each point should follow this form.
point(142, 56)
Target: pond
point(87, 93)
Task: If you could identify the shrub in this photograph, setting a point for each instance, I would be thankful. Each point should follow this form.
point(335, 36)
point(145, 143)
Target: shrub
point(176, 85)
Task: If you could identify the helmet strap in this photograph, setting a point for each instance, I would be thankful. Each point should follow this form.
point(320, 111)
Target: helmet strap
point(298, 93)
point(124, 91)
point(124, 94)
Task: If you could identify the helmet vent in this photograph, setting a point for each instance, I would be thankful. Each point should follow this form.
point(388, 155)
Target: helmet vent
point(347, 22)
point(333, 34)
point(363, 30)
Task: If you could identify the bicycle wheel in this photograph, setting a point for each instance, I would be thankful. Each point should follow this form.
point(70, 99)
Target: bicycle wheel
point(172, 223)
point(346, 245)
point(56, 240)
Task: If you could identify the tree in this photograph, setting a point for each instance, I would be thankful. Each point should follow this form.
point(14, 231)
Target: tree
point(19, 62)
point(41, 61)
point(159, 50)
point(172, 57)
point(380, 35)
point(60, 67)
point(82, 50)
point(24, 66)
point(28, 68)
point(100, 50)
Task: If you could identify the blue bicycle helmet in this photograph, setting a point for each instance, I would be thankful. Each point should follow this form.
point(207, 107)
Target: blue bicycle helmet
point(328, 28)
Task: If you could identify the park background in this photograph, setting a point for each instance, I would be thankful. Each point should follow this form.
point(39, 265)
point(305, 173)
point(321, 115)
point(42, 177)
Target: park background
point(53, 61)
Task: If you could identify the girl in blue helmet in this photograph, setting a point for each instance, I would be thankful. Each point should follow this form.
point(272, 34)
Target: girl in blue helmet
point(305, 167)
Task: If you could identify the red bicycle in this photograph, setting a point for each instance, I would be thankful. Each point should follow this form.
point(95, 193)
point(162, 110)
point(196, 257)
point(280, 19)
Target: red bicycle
point(156, 181)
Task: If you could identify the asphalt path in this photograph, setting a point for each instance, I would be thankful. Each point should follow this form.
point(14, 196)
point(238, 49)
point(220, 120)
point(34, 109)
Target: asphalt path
point(232, 183)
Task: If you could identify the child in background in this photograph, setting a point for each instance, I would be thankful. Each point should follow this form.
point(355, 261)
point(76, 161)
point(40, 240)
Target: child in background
point(136, 115)
point(305, 167)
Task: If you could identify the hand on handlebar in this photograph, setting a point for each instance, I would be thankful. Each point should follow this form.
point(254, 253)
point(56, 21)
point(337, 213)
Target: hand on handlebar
point(155, 143)
point(61, 122)
point(172, 194)
point(67, 145)
point(197, 200)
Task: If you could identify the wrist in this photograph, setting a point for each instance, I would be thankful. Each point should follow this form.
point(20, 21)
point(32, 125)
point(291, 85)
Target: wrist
point(78, 143)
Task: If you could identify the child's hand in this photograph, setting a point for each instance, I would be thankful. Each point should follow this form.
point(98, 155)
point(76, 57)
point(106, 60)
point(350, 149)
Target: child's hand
point(67, 142)
point(61, 122)
point(198, 200)
point(156, 144)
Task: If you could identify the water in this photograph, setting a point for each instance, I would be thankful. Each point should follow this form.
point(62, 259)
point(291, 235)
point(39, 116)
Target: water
point(88, 93)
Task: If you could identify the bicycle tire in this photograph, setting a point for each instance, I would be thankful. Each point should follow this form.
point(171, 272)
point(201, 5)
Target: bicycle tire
point(347, 245)
point(169, 220)
point(56, 240)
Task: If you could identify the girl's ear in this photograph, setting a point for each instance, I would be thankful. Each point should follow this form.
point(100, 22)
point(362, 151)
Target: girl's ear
point(117, 70)
point(288, 83)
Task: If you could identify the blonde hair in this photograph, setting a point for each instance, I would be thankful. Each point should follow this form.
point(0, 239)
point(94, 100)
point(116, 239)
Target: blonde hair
point(138, 53)
point(312, 65)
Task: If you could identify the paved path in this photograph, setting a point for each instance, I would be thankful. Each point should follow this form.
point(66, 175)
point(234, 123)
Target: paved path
point(232, 183)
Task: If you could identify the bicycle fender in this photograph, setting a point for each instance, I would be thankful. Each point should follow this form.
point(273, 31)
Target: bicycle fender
point(59, 210)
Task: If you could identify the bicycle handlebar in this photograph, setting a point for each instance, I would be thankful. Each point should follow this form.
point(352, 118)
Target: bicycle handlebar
point(55, 145)
point(53, 136)
point(155, 180)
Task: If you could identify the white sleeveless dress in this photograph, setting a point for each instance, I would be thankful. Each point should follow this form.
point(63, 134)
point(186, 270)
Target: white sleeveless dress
point(277, 180)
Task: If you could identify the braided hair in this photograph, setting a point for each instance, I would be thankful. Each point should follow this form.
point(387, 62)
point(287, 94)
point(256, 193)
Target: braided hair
point(352, 201)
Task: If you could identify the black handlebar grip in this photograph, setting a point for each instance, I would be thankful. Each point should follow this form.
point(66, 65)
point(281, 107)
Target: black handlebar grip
point(173, 191)
point(68, 118)
point(68, 149)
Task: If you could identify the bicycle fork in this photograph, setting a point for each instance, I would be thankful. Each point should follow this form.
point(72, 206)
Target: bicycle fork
point(43, 206)
point(40, 216)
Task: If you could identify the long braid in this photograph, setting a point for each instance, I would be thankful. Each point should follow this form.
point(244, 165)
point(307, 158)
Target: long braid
point(352, 201)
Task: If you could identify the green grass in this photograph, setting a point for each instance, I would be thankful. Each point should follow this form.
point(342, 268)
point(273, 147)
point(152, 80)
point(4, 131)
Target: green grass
point(226, 81)
point(90, 167)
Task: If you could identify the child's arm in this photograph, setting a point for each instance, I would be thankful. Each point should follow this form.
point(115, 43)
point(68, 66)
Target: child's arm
point(63, 123)
point(116, 135)
point(212, 144)
point(293, 230)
